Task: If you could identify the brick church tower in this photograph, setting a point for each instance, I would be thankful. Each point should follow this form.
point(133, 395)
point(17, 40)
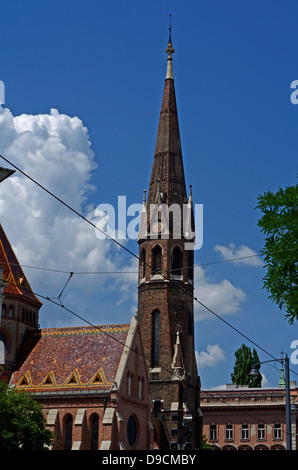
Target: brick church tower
point(165, 289)
point(20, 307)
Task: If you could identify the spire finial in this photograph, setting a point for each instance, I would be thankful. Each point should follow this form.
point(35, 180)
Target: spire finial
point(170, 50)
point(170, 30)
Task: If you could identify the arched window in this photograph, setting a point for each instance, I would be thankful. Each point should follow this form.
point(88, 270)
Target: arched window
point(176, 261)
point(129, 380)
point(68, 433)
point(155, 338)
point(94, 432)
point(11, 311)
point(140, 387)
point(156, 259)
point(143, 264)
point(189, 323)
point(190, 265)
point(3, 312)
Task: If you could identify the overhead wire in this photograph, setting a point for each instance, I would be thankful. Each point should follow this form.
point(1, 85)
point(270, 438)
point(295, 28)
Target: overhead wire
point(135, 256)
point(102, 330)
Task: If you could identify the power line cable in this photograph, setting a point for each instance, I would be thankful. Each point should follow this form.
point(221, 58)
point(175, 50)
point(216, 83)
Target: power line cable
point(41, 268)
point(135, 256)
point(171, 372)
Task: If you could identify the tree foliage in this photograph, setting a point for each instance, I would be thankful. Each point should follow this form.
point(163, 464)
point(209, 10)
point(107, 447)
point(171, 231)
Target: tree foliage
point(22, 424)
point(279, 224)
point(244, 360)
point(205, 445)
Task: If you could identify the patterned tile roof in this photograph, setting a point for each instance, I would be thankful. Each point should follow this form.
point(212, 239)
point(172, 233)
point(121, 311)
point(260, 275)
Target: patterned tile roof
point(12, 271)
point(77, 358)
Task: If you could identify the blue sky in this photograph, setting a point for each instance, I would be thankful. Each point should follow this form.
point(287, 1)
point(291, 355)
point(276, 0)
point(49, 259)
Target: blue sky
point(101, 65)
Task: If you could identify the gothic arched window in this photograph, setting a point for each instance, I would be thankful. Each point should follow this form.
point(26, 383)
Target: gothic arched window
point(94, 432)
point(143, 264)
point(176, 261)
point(11, 311)
point(3, 313)
point(190, 265)
point(68, 433)
point(155, 338)
point(156, 259)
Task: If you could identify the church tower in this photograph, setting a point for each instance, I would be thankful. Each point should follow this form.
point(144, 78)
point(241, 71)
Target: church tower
point(20, 307)
point(165, 286)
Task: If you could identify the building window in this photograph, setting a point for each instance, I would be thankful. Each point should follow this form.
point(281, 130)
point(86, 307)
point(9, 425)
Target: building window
point(140, 387)
point(155, 339)
point(129, 383)
point(261, 431)
point(213, 432)
point(189, 323)
point(94, 432)
point(132, 430)
point(11, 311)
point(156, 259)
point(277, 431)
point(3, 312)
point(229, 431)
point(68, 433)
point(244, 432)
point(176, 262)
point(142, 264)
point(190, 265)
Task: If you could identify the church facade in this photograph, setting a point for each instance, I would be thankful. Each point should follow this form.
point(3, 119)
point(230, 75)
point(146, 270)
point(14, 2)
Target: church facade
point(133, 386)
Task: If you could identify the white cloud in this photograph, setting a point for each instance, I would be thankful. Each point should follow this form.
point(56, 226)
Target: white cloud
point(248, 255)
point(211, 357)
point(221, 297)
point(55, 150)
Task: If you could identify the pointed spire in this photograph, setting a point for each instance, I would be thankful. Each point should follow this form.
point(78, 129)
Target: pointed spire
point(189, 229)
point(143, 219)
point(168, 164)
point(158, 193)
point(177, 363)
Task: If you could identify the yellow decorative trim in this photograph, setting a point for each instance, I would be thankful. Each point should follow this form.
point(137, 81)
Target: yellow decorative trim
point(49, 381)
point(73, 379)
point(98, 379)
point(25, 381)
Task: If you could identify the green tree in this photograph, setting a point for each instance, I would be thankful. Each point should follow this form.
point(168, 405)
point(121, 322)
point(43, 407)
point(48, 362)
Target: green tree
point(205, 445)
point(22, 424)
point(243, 365)
point(279, 223)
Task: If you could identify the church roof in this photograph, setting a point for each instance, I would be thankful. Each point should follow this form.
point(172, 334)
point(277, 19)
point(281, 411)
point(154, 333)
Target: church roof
point(68, 359)
point(12, 271)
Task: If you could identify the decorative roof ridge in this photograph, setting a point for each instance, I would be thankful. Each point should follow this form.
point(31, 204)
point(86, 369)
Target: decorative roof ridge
point(96, 329)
